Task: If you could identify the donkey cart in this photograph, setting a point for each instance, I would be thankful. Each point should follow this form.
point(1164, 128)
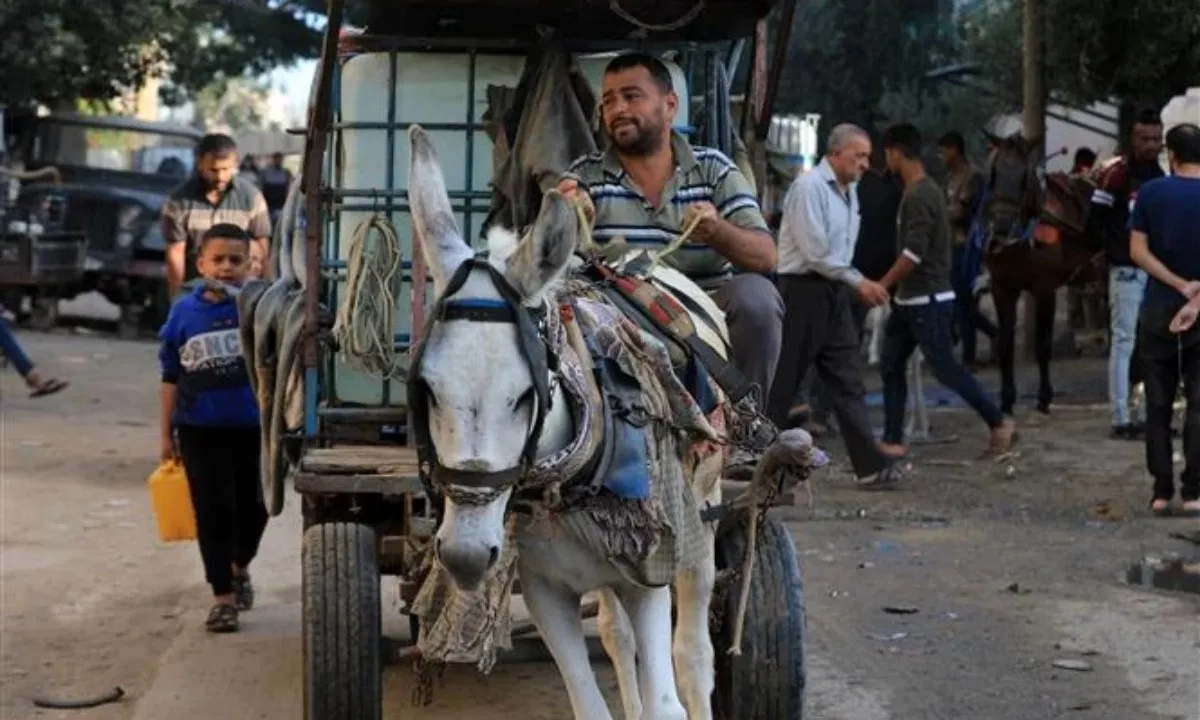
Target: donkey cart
point(343, 435)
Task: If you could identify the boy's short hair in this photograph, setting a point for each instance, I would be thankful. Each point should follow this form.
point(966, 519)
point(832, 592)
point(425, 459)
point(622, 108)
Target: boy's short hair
point(224, 231)
point(905, 139)
point(953, 140)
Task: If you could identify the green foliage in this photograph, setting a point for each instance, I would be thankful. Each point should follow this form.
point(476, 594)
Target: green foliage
point(1143, 50)
point(846, 56)
point(234, 102)
point(59, 51)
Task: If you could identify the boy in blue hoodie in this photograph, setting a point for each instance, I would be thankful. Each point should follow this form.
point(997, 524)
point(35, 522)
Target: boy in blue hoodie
point(210, 420)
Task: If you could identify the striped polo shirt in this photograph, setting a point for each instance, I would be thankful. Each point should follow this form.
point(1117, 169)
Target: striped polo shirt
point(188, 214)
point(701, 175)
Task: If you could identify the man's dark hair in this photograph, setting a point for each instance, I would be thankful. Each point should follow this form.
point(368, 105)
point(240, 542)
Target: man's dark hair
point(953, 139)
point(215, 144)
point(1084, 156)
point(905, 138)
point(1183, 141)
point(224, 231)
point(657, 68)
point(1147, 116)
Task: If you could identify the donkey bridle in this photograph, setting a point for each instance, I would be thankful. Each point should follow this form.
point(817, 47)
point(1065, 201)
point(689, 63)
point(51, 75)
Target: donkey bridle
point(530, 323)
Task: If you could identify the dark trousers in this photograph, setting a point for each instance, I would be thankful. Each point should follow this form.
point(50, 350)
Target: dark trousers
point(1167, 360)
point(819, 329)
point(820, 400)
point(927, 327)
point(11, 348)
point(968, 318)
point(223, 469)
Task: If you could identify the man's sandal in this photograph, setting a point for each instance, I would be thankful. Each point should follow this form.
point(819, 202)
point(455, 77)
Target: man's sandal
point(223, 618)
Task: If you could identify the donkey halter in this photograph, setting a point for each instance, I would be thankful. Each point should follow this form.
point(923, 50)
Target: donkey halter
point(474, 487)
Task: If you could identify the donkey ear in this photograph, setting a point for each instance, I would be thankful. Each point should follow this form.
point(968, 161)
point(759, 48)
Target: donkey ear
point(432, 217)
point(544, 253)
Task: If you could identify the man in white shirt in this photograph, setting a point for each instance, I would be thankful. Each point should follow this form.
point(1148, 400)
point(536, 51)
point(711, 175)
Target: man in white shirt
point(819, 286)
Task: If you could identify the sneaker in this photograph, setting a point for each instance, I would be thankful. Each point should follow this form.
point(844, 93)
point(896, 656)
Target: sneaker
point(886, 479)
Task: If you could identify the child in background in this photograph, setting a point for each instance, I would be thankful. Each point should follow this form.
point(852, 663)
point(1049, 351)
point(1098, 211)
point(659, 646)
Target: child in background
point(210, 420)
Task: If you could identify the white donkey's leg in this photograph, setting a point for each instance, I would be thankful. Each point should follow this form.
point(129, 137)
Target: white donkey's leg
point(554, 609)
point(694, 662)
point(619, 642)
point(695, 668)
point(650, 614)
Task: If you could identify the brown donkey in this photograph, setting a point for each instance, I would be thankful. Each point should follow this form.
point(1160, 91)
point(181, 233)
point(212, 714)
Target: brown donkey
point(1034, 240)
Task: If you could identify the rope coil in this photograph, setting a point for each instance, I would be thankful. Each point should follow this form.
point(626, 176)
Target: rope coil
point(366, 322)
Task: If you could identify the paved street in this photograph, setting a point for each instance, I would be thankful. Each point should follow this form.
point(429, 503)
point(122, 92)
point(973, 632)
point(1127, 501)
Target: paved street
point(1010, 566)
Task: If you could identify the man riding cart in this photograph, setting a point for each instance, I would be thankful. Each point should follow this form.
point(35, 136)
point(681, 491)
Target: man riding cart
point(650, 184)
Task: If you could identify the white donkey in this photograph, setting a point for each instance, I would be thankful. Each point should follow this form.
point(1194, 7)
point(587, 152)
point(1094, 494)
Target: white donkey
point(481, 408)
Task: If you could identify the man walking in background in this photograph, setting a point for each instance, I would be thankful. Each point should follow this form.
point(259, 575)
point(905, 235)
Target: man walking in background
point(923, 307)
point(964, 191)
point(879, 194)
point(215, 194)
point(1165, 242)
point(819, 287)
point(1116, 192)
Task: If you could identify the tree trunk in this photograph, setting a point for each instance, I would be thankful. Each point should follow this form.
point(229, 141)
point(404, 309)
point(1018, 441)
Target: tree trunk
point(1033, 117)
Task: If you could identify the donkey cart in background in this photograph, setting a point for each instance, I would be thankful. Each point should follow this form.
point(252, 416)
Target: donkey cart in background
point(350, 455)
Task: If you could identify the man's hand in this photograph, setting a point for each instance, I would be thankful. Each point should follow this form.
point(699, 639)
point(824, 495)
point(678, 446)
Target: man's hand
point(1190, 289)
point(872, 293)
point(570, 189)
point(705, 215)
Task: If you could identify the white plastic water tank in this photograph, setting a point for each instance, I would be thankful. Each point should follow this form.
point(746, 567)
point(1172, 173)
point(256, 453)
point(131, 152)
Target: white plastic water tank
point(792, 143)
point(432, 89)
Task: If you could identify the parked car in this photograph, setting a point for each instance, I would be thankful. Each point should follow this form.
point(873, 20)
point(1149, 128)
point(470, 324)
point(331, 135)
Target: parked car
point(116, 174)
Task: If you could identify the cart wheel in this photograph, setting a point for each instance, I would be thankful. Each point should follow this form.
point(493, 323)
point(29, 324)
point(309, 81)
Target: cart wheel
point(43, 314)
point(767, 681)
point(342, 635)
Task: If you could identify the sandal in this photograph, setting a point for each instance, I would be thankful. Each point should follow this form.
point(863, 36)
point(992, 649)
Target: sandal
point(49, 387)
point(1190, 508)
point(1160, 507)
point(223, 618)
point(243, 592)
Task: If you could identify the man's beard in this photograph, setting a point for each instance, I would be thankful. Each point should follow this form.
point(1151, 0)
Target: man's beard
point(647, 141)
point(209, 183)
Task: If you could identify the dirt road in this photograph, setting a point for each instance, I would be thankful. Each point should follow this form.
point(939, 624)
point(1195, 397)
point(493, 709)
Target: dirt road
point(1009, 570)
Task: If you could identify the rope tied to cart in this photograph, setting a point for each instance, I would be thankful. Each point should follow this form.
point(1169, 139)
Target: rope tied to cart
point(365, 325)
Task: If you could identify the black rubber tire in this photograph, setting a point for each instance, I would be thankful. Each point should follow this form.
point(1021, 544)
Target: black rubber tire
point(43, 314)
point(342, 633)
point(767, 682)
